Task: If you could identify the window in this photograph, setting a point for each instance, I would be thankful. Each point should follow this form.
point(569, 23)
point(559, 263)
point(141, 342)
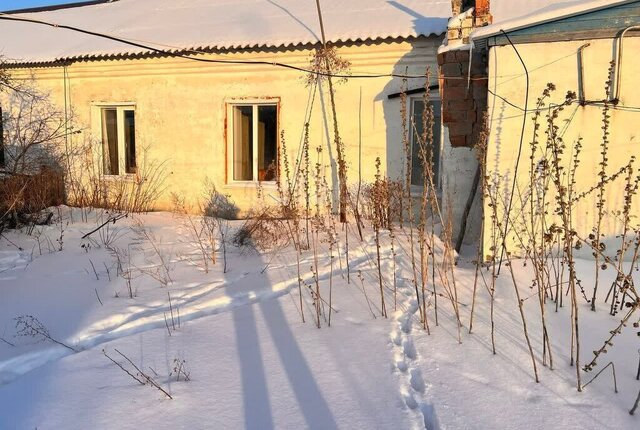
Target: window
point(433, 148)
point(254, 142)
point(118, 139)
point(2, 154)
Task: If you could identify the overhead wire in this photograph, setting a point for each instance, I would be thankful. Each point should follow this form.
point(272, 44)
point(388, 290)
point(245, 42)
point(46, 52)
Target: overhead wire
point(182, 53)
point(524, 125)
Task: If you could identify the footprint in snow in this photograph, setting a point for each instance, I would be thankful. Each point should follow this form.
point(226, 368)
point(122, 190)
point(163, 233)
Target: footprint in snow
point(417, 383)
point(409, 349)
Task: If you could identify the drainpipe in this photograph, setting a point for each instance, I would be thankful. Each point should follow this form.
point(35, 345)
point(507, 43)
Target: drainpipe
point(618, 65)
point(581, 93)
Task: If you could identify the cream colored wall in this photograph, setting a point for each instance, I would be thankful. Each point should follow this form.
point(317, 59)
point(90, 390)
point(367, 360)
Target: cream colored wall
point(557, 63)
point(180, 108)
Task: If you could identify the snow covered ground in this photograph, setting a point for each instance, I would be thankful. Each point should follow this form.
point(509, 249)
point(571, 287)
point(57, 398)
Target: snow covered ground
point(254, 364)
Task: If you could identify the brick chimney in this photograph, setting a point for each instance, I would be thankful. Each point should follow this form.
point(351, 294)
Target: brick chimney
point(483, 13)
point(463, 74)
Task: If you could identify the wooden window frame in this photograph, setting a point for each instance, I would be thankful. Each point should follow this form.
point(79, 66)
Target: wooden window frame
point(121, 108)
point(434, 95)
point(254, 103)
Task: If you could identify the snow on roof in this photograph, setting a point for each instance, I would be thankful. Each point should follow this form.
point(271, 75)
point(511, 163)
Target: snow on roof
point(214, 24)
point(504, 10)
point(551, 11)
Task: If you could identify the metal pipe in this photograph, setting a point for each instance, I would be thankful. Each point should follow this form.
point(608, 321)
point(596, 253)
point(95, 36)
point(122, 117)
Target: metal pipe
point(618, 65)
point(581, 93)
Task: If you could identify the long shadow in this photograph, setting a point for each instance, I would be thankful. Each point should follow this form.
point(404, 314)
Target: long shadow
point(312, 403)
point(257, 406)
point(257, 400)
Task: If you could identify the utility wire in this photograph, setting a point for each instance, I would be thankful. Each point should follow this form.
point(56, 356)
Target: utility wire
point(596, 103)
point(182, 54)
point(515, 173)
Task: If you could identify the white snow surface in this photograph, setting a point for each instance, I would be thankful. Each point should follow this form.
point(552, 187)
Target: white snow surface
point(215, 24)
point(515, 14)
point(254, 364)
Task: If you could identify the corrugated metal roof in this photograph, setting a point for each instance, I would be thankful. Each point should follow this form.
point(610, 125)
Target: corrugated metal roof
point(214, 24)
point(553, 10)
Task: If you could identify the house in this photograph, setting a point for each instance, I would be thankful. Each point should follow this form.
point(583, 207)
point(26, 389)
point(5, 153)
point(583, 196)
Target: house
point(576, 46)
point(208, 86)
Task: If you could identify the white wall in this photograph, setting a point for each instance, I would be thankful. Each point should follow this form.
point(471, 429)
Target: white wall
point(557, 63)
point(458, 171)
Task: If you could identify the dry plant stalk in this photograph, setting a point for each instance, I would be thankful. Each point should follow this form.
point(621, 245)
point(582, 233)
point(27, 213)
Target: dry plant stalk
point(141, 377)
point(378, 197)
point(406, 145)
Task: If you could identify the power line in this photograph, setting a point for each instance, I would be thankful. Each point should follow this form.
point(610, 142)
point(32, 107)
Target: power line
point(181, 54)
point(596, 103)
point(524, 125)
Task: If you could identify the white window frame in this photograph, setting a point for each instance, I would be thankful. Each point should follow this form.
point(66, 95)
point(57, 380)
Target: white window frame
point(434, 95)
point(120, 108)
point(254, 103)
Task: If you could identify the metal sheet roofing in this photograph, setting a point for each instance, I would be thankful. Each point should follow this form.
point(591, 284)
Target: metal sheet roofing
point(214, 24)
point(529, 15)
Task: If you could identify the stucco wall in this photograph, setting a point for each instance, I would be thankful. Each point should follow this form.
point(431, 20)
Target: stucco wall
point(557, 63)
point(180, 108)
point(459, 166)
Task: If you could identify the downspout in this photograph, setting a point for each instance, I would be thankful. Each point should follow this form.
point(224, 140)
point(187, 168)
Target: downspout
point(618, 65)
point(581, 92)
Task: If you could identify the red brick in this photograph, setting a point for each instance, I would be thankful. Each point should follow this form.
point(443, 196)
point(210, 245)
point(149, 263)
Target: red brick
point(455, 83)
point(450, 57)
point(462, 55)
point(460, 104)
point(458, 141)
point(457, 116)
point(451, 69)
point(479, 90)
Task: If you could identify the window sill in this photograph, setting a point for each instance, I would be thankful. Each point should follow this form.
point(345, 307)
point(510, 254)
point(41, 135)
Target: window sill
point(113, 178)
point(251, 185)
point(416, 192)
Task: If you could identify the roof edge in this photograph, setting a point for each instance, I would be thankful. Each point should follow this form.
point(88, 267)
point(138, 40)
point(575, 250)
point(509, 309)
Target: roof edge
point(202, 50)
point(486, 32)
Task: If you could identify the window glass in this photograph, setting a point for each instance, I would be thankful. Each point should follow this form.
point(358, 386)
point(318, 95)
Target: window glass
point(267, 142)
point(243, 143)
point(110, 141)
point(255, 142)
point(2, 155)
point(433, 147)
point(130, 140)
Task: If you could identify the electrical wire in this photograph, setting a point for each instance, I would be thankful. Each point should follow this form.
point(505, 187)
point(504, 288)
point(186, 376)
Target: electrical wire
point(595, 103)
point(515, 173)
point(181, 54)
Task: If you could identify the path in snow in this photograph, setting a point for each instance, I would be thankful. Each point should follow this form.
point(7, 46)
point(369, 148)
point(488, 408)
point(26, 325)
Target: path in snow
point(406, 359)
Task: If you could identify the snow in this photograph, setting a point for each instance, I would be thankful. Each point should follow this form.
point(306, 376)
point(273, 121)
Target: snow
point(254, 364)
point(456, 23)
point(503, 10)
point(510, 17)
point(218, 24)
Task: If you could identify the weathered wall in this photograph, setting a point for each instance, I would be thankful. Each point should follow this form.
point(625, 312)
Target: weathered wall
point(463, 107)
point(459, 166)
point(557, 63)
point(180, 108)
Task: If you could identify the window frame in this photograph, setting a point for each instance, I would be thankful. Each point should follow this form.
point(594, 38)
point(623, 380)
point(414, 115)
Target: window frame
point(120, 108)
point(3, 152)
point(230, 138)
point(434, 95)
